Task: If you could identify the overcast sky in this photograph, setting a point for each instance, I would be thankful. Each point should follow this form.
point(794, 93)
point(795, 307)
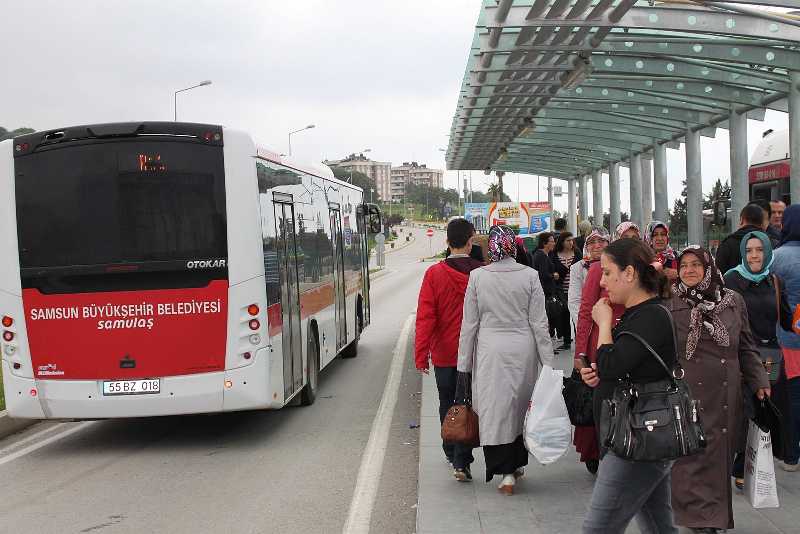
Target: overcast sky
point(378, 74)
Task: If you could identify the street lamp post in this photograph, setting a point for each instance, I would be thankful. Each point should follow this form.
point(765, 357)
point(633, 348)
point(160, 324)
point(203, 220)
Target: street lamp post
point(175, 100)
point(294, 132)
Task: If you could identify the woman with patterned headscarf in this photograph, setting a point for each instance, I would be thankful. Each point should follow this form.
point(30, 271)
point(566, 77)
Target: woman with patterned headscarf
point(503, 343)
point(584, 292)
point(657, 236)
point(627, 229)
point(717, 351)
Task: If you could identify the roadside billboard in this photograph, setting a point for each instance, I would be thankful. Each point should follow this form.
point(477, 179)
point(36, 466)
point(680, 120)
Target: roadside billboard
point(528, 217)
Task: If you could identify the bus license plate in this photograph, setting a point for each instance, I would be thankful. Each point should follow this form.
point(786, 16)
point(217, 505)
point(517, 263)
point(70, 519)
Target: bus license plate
point(132, 387)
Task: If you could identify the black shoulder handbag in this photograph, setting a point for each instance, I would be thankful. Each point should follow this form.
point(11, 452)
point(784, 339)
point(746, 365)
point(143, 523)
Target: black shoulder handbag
point(652, 421)
point(579, 399)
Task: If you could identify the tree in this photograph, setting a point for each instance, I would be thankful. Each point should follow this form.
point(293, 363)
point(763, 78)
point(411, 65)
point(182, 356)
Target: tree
point(678, 223)
point(720, 191)
point(5, 134)
point(495, 191)
point(358, 179)
point(479, 197)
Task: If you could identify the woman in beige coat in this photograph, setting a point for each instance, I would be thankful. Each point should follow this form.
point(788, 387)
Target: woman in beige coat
point(504, 341)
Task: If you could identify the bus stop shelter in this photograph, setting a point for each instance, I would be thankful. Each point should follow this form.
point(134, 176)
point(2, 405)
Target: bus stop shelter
point(572, 89)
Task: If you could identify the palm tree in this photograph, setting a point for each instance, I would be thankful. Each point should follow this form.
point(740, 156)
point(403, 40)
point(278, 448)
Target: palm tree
point(495, 190)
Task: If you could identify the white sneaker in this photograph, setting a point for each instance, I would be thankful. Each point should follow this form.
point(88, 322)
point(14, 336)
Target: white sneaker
point(506, 486)
point(790, 467)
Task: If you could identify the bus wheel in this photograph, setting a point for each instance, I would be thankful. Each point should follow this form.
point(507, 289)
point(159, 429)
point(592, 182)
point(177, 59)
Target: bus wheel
point(309, 393)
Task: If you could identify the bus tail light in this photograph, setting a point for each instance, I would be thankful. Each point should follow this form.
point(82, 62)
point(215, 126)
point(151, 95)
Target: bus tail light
point(7, 321)
point(247, 355)
point(254, 324)
point(8, 336)
point(253, 309)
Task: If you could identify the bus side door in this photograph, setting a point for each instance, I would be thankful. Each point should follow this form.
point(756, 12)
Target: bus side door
point(338, 276)
point(291, 336)
point(361, 215)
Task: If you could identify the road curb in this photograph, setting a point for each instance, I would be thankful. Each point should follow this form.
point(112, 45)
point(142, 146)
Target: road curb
point(379, 274)
point(10, 425)
point(404, 245)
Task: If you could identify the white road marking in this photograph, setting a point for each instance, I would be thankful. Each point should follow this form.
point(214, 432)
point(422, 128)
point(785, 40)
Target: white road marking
point(369, 473)
point(36, 446)
point(32, 437)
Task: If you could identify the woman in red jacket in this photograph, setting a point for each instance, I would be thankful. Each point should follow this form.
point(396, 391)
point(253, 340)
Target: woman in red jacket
point(585, 438)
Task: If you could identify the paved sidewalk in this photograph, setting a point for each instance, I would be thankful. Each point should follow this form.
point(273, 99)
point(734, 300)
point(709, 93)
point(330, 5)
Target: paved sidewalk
point(549, 499)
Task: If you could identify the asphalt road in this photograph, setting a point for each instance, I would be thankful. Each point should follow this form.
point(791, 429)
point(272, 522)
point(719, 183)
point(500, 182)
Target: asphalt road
point(292, 470)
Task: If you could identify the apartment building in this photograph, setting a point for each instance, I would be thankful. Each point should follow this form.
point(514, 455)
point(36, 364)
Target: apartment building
point(380, 171)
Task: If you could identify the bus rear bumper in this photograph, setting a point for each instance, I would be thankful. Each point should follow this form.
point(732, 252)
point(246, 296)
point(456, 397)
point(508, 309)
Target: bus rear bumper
point(244, 388)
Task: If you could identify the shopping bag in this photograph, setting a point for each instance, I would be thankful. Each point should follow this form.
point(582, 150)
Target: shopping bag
point(548, 431)
point(760, 486)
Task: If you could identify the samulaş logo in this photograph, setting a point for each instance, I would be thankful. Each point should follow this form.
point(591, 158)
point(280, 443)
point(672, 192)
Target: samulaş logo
point(205, 264)
point(50, 369)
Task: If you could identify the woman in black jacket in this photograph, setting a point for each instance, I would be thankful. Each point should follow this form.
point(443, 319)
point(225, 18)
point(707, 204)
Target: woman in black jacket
point(626, 489)
point(547, 275)
point(763, 295)
point(562, 258)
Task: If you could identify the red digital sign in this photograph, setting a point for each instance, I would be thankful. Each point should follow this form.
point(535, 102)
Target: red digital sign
point(769, 172)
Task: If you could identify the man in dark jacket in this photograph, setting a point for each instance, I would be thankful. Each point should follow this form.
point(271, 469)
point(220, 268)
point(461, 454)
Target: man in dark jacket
point(751, 219)
point(439, 313)
point(773, 233)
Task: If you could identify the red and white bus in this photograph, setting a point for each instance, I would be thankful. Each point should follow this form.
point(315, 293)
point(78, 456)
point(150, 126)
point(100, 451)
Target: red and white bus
point(170, 268)
point(769, 167)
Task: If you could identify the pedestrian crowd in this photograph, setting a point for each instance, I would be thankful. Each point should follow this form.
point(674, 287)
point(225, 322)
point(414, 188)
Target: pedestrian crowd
point(726, 328)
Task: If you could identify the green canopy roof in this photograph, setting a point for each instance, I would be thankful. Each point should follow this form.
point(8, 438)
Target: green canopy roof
point(564, 87)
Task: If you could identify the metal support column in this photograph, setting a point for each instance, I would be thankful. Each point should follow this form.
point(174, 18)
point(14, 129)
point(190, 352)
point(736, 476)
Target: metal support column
point(794, 136)
point(740, 185)
point(572, 223)
point(647, 193)
point(613, 194)
point(597, 197)
point(550, 198)
point(636, 188)
point(583, 202)
point(660, 182)
point(694, 188)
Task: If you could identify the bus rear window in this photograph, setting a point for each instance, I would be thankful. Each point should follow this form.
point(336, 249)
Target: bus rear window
point(120, 202)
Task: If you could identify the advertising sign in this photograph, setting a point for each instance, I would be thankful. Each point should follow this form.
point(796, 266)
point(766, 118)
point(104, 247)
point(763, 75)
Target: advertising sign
point(127, 334)
point(478, 215)
point(529, 217)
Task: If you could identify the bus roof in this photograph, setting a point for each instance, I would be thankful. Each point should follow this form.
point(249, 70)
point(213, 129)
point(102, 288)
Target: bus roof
point(323, 171)
point(774, 146)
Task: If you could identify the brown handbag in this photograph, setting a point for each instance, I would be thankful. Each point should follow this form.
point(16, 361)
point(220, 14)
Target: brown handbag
point(460, 425)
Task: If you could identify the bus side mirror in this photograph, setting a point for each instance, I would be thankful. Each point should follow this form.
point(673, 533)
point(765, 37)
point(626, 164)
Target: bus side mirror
point(720, 213)
point(374, 224)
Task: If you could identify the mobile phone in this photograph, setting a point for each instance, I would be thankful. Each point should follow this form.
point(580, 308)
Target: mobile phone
point(585, 362)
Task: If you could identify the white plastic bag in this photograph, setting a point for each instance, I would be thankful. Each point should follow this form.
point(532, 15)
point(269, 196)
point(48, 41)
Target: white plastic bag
point(760, 486)
point(548, 432)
